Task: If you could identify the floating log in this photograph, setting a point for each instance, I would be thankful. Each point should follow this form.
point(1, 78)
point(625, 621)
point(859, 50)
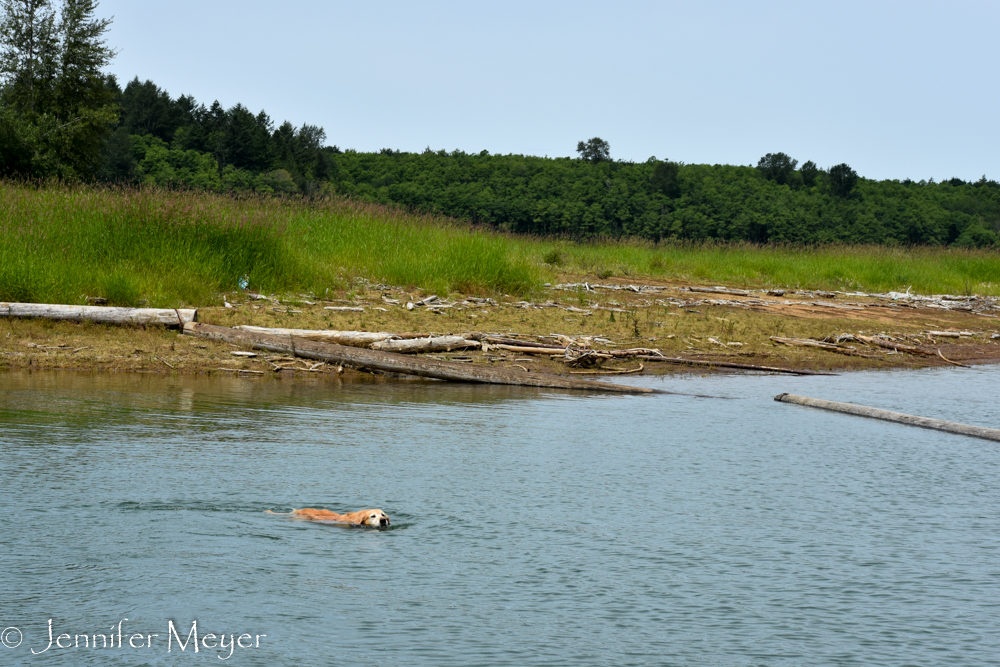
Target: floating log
point(349, 338)
point(886, 415)
point(728, 364)
point(176, 317)
point(390, 362)
point(418, 345)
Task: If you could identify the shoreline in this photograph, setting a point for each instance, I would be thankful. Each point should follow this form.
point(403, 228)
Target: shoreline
point(700, 323)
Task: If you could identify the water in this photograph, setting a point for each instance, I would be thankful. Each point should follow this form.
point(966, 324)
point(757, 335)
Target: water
point(529, 527)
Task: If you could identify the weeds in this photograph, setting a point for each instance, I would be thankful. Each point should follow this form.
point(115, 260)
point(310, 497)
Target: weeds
point(61, 244)
point(928, 269)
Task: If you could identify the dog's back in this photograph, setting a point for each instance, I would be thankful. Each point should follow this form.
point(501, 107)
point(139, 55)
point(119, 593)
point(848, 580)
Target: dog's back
point(374, 517)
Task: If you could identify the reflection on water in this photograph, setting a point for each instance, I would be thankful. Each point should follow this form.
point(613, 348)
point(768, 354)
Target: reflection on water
point(529, 526)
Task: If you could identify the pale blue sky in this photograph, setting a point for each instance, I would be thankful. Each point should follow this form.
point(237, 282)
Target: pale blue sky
point(895, 89)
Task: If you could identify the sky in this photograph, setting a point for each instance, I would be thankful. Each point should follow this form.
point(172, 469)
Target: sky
point(894, 89)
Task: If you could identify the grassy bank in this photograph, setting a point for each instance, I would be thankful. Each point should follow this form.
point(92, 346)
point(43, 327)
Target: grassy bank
point(927, 270)
point(60, 244)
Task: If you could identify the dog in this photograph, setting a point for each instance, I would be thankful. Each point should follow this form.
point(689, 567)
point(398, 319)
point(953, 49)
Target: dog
point(372, 518)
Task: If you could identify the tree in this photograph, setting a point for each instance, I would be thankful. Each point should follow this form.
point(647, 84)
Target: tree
point(809, 173)
point(666, 179)
point(594, 150)
point(245, 141)
point(147, 109)
point(842, 180)
point(15, 144)
point(777, 167)
point(52, 79)
point(29, 52)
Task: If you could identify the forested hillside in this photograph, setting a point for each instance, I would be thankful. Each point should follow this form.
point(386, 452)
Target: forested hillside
point(61, 117)
point(176, 142)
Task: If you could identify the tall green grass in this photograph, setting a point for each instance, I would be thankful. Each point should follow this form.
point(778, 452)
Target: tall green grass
point(60, 244)
point(924, 269)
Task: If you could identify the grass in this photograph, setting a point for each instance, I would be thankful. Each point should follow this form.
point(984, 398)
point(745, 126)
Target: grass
point(61, 244)
point(927, 270)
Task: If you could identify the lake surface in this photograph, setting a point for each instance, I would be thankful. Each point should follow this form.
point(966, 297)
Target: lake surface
point(529, 527)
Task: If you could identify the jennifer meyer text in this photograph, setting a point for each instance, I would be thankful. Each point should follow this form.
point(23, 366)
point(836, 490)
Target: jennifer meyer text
point(174, 638)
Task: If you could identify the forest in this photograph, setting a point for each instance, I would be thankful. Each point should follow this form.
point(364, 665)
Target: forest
point(62, 118)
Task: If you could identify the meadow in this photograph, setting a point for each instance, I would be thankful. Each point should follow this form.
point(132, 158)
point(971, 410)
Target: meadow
point(149, 246)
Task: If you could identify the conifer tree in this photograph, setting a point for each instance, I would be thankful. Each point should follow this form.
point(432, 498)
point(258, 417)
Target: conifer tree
point(58, 104)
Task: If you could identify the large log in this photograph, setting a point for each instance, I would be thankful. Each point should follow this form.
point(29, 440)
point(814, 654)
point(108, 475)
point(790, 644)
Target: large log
point(898, 417)
point(418, 345)
point(106, 314)
point(349, 338)
point(396, 363)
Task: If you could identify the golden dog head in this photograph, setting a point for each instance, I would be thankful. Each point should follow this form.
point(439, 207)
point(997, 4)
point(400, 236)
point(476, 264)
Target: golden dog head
point(373, 518)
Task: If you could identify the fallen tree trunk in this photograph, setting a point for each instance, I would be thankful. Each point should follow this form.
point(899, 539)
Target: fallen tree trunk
point(886, 415)
point(495, 340)
point(519, 349)
point(719, 290)
point(728, 364)
point(889, 345)
point(395, 363)
point(104, 314)
point(806, 342)
point(417, 345)
point(349, 338)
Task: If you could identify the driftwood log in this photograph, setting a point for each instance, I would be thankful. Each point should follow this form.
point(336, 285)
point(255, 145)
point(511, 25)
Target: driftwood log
point(104, 314)
point(520, 349)
point(886, 415)
point(349, 338)
point(831, 347)
point(890, 345)
point(390, 362)
point(418, 345)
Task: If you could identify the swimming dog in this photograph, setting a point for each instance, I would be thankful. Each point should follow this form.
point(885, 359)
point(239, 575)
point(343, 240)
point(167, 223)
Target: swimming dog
point(372, 518)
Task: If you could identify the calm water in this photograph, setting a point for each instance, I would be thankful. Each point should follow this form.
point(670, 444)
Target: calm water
point(529, 527)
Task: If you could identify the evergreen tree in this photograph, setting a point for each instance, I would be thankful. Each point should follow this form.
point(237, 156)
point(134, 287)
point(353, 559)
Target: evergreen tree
point(84, 101)
point(29, 53)
point(63, 105)
point(147, 109)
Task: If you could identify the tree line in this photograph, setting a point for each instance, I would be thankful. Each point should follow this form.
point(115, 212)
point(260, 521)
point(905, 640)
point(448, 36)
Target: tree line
point(62, 117)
